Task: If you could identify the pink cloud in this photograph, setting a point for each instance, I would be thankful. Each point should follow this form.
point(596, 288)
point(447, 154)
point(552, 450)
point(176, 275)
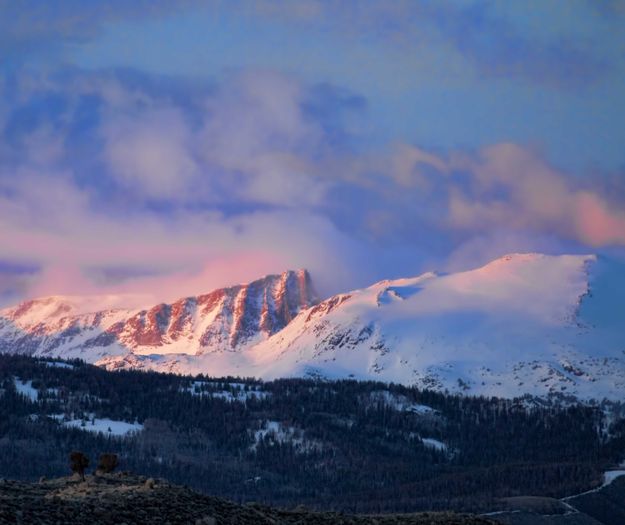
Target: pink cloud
point(228, 269)
point(249, 143)
point(596, 223)
point(247, 148)
point(52, 224)
point(513, 187)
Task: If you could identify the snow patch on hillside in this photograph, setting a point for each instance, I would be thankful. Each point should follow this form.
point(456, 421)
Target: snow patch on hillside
point(274, 432)
point(611, 475)
point(400, 403)
point(106, 426)
point(227, 391)
point(58, 364)
point(26, 389)
point(434, 443)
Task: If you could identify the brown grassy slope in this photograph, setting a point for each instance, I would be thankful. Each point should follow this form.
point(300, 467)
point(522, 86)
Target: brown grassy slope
point(119, 498)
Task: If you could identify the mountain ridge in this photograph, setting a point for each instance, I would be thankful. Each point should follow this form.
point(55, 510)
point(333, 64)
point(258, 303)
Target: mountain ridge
point(522, 323)
point(221, 320)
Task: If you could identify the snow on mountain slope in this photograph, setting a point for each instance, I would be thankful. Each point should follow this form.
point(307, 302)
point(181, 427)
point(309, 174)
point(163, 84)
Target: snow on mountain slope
point(93, 328)
point(514, 326)
point(524, 323)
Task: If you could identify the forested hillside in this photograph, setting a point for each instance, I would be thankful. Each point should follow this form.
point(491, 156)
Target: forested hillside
point(346, 445)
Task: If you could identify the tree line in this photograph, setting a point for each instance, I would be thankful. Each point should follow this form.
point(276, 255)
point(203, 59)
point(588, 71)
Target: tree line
point(350, 445)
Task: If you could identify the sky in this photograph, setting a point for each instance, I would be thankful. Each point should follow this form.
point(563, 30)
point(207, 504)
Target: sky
point(166, 148)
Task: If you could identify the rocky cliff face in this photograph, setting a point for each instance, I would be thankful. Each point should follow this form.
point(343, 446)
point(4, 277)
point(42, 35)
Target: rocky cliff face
point(227, 319)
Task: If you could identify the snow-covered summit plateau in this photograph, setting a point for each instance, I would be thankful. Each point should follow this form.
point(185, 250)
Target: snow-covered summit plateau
point(523, 323)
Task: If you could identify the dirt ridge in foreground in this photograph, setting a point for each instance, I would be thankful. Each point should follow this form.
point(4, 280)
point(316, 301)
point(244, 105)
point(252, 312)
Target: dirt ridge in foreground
point(129, 499)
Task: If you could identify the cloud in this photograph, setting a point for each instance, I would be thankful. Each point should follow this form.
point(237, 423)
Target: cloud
point(596, 223)
point(411, 164)
point(33, 28)
point(126, 186)
point(150, 152)
point(483, 247)
point(514, 187)
point(500, 42)
point(114, 181)
point(258, 131)
point(546, 43)
point(555, 45)
point(260, 136)
point(52, 225)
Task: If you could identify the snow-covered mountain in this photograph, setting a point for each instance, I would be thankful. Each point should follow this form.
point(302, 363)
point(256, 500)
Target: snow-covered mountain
point(524, 323)
point(92, 328)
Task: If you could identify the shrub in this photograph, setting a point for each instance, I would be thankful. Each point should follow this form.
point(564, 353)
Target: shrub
point(107, 463)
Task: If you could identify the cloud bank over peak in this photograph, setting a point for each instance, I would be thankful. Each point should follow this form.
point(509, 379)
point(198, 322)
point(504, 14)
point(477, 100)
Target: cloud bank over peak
point(318, 154)
point(119, 185)
point(121, 178)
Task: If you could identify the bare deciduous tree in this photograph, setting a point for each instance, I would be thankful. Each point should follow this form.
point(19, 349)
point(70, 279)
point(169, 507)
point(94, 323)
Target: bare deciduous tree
point(78, 463)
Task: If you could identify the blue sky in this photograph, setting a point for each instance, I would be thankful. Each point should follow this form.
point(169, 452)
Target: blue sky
point(173, 146)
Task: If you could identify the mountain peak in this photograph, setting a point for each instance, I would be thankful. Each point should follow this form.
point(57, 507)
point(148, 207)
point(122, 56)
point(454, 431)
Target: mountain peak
point(532, 257)
point(225, 319)
point(522, 323)
point(59, 306)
